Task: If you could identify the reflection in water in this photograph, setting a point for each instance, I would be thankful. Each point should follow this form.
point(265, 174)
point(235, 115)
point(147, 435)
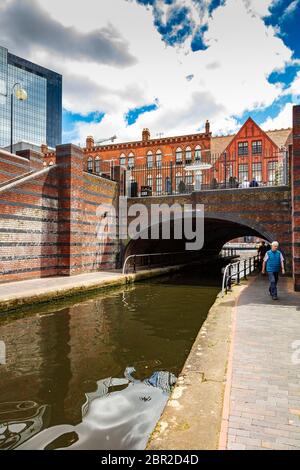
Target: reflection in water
point(97, 374)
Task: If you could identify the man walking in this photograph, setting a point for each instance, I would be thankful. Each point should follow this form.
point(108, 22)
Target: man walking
point(273, 261)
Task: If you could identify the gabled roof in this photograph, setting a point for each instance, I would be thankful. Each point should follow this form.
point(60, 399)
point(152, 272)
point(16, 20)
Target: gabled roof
point(220, 143)
point(280, 137)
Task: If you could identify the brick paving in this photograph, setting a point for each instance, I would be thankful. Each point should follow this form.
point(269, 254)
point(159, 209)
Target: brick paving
point(265, 389)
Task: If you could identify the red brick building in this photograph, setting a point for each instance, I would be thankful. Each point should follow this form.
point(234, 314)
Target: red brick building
point(251, 153)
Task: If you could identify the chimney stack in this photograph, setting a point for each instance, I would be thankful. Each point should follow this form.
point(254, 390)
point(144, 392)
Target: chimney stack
point(44, 148)
point(207, 127)
point(90, 142)
point(146, 135)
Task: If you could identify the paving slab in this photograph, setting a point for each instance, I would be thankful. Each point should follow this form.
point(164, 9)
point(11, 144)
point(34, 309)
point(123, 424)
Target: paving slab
point(264, 383)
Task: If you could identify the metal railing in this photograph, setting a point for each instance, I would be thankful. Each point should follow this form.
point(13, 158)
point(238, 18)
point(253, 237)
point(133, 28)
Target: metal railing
point(228, 251)
point(224, 171)
point(147, 257)
point(234, 272)
point(167, 259)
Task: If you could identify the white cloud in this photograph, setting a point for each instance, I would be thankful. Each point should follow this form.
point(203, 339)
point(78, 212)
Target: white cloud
point(295, 86)
point(282, 120)
point(228, 78)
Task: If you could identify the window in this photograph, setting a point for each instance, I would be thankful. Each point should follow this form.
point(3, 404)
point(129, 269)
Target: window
point(149, 181)
point(178, 156)
point(90, 165)
point(257, 171)
point(243, 172)
point(188, 155)
point(256, 147)
point(179, 183)
point(229, 171)
point(131, 160)
point(158, 184)
point(189, 181)
point(122, 160)
point(168, 186)
point(158, 159)
point(198, 153)
point(242, 148)
point(97, 165)
point(198, 181)
point(272, 172)
point(149, 160)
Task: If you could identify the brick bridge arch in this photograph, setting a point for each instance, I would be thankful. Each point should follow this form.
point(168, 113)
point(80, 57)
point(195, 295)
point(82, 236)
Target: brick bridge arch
point(262, 212)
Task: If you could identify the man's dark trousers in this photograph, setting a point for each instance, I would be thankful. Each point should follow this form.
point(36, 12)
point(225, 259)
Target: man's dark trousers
point(273, 278)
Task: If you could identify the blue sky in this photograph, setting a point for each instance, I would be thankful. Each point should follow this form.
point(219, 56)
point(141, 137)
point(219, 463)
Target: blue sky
point(163, 64)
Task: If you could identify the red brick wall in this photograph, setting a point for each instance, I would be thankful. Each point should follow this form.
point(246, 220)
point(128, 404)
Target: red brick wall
point(99, 251)
point(249, 132)
point(48, 225)
point(12, 166)
point(29, 228)
point(295, 177)
point(167, 146)
point(264, 212)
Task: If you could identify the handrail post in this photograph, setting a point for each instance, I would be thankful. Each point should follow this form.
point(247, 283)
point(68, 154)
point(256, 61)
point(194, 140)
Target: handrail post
point(238, 273)
point(229, 279)
point(245, 269)
point(134, 264)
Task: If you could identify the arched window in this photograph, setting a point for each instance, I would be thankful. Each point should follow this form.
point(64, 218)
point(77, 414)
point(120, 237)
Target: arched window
point(97, 165)
point(149, 159)
point(158, 184)
point(131, 160)
point(122, 159)
point(188, 155)
point(178, 156)
point(198, 153)
point(90, 165)
point(158, 158)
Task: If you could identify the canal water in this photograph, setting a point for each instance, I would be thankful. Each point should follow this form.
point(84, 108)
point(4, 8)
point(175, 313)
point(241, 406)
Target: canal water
point(96, 373)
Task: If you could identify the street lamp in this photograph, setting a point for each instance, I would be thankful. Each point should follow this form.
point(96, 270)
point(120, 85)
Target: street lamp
point(21, 95)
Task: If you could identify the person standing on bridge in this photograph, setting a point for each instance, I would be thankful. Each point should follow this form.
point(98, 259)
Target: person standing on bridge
point(273, 262)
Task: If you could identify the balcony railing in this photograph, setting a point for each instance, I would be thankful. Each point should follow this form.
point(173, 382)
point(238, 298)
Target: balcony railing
point(210, 172)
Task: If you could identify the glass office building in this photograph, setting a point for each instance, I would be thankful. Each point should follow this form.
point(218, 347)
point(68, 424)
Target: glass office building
point(39, 118)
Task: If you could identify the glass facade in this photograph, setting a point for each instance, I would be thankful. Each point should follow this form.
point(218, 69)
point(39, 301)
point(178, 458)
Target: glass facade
point(39, 118)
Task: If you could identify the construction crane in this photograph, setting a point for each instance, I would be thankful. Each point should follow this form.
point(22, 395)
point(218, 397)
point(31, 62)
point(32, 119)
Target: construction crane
point(111, 139)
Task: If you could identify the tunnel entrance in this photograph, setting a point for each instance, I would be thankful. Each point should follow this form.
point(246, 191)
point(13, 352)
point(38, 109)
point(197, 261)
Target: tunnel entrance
point(217, 232)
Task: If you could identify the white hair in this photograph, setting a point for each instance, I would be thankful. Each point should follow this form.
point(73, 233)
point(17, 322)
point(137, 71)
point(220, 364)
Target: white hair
point(275, 243)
